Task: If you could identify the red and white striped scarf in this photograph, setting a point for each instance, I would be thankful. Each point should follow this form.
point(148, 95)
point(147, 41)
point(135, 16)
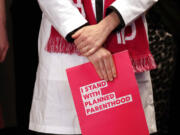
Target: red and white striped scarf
point(132, 38)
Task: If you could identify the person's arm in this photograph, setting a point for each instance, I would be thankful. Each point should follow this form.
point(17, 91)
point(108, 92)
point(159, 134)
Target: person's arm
point(119, 14)
point(63, 15)
point(4, 45)
point(101, 58)
point(129, 10)
point(89, 40)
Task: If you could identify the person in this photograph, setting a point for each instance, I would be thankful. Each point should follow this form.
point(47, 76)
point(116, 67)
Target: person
point(4, 44)
point(7, 77)
point(69, 37)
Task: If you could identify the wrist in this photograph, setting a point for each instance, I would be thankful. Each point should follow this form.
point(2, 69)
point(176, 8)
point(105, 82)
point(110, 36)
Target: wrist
point(2, 24)
point(110, 22)
point(3, 32)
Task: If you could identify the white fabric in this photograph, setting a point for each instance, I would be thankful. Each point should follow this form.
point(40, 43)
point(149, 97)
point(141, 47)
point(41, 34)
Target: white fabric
point(65, 17)
point(52, 108)
point(131, 9)
point(63, 14)
point(146, 93)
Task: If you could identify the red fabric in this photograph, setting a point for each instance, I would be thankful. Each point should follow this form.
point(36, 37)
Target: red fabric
point(133, 38)
point(58, 44)
point(1, 119)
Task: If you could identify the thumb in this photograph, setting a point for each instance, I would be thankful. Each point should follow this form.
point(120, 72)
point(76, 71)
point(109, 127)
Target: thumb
point(3, 55)
point(77, 34)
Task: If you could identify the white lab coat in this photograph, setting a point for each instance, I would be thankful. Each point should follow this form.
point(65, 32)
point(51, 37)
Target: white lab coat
point(52, 108)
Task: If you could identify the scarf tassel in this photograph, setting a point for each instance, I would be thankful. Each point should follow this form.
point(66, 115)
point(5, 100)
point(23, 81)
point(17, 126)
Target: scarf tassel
point(57, 44)
point(144, 63)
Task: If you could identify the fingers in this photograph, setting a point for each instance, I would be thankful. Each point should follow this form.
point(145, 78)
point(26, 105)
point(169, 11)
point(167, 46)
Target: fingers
point(84, 47)
point(108, 69)
point(3, 53)
point(104, 64)
point(99, 67)
point(77, 34)
point(112, 67)
point(79, 42)
point(87, 51)
point(103, 70)
point(84, 50)
point(88, 40)
point(90, 52)
point(98, 70)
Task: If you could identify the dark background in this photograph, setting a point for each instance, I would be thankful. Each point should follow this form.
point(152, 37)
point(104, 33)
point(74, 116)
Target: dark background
point(26, 17)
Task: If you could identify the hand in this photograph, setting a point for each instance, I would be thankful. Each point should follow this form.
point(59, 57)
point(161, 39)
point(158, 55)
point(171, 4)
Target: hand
point(89, 38)
point(4, 44)
point(103, 63)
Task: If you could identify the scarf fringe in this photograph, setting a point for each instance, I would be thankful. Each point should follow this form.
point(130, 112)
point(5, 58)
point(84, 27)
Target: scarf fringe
point(60, 45)
point(144, 63)
point(57, 44)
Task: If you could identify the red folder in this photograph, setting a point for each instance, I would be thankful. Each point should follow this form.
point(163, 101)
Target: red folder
point(108, 108)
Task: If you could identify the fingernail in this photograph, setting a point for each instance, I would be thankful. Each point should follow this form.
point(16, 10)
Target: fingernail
point(115, 75)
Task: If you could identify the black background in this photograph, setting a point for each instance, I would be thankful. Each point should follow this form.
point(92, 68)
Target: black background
point(26, 17)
